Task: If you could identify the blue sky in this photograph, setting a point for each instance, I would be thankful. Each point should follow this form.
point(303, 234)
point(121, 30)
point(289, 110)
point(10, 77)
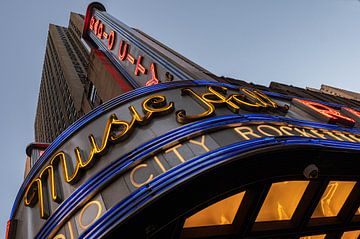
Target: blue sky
point(302, 43)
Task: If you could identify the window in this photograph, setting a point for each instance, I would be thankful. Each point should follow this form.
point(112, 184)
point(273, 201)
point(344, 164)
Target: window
point(220, 213)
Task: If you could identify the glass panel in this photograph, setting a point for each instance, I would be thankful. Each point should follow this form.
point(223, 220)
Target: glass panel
point(282, 200)
point(220, 213)
point(351, 235)
point(333, 199)
point(314, 237)
point(358, 211)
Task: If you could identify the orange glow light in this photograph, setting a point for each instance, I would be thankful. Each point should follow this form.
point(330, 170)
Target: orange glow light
point(333, 199)
point(130, 58)
point(332, 115)
point(220, 213)
point(314, 237)
point(154, 80)
point(122, 50)
point(111, 40)
point(281, 201)
point(100, 31)
point(351, 234)
point(139, 67)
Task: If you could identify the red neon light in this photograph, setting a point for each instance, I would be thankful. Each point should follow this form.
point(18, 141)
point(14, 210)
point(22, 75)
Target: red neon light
point(352, 111)
point(130, 58)
point(100, 31)
point(154, 80)
point(122, 50)
point(92, 22)
point(331, 114)
point(96, 25)
point(111, 40)
point(7, 229)
point(139, 67)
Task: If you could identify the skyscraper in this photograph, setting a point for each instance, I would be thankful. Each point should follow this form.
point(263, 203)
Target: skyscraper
point(63, 81)
point(198, 156)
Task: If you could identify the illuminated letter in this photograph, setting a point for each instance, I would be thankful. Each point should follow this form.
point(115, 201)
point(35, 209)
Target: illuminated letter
point(342, 135)
point(286, 129)
point(35, 189)
point(92, 22)
point(98, 214)
point(176, 152)
point(139, 67)
point(181, 116)
point(216, 98)
point(304, 133)
point(323, 112)
point(136, 184)
point(96, 25)
point(154, 80)
point(100, 31)
point(156, 105)
point(260, 129)
point(315, 132)
point(61, 158)
point(201, 143)
point(262, 98)
point(157, 160)
point(130, 58)
point(354, 114)
point(123, 48)
point(248, 131)
point(111, 40)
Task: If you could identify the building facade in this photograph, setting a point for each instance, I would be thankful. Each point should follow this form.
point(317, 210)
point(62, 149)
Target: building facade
point(155, 146)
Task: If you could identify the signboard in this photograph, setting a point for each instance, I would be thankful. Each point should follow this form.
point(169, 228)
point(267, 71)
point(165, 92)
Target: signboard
point(139, 58)
point(142, 135)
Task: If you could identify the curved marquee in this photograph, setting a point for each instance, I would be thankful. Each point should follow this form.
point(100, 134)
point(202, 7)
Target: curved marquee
point(132, 151)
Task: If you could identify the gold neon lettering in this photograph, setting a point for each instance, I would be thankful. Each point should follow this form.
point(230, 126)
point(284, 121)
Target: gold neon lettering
point(59, 236)
point(260, 97)
point(354, 137)
point(176, 152)
point(157, 160)
point(286, 129)
point(60, 157)
point(317, 133)
point(201, 143)
point(332, 135)
point(115, 130)
point(137, 184)
point(244, 131)
point(303, 132)
point(215, 97)
point(181, 116)
point(261, 128)
point(49, 171)
point(98, 214)
point(342, 135)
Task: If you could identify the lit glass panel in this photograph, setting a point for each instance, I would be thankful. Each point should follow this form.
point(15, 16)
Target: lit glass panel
point(314, 237)
point(220, 213)
point(333, 199)
point(351, 235)
point(358, 211)
point(282, 200)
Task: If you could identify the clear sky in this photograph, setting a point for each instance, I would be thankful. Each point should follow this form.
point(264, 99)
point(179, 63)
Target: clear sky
point(302, 43)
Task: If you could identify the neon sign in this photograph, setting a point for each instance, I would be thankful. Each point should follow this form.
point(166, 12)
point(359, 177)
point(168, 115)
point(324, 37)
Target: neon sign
point(117, 130)
point(122, 52)
point(324, 112)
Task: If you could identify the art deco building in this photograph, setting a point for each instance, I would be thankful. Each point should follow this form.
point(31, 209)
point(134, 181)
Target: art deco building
point(146, 144)
point(64, 80)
